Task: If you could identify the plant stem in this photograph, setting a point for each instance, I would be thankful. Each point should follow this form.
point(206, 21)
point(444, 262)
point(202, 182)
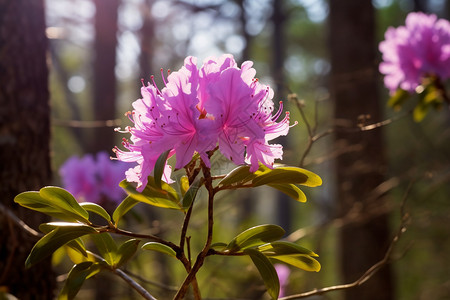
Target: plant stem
point(141, 236)
point(187, 218)
point(190, 278)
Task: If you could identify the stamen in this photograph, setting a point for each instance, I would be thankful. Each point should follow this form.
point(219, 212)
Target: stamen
point(278, 113)
point(162, 76)
point(154, 84)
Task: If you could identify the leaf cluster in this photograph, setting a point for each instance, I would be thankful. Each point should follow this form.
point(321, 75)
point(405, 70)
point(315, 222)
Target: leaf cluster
point(430, 94)
point(262, 243)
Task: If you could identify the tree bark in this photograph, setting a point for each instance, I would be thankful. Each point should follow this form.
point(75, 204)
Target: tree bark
point(283, 202)
point(105, 44)
point(104, 101)
point(244, 32)
point(358, 172)
point(147, 35)
point(24, 142)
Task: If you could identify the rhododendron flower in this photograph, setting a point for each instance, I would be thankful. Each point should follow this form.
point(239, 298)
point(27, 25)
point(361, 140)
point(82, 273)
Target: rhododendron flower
point(93, 180)
point(283, 273)
point(420, 48)
point(199, 108)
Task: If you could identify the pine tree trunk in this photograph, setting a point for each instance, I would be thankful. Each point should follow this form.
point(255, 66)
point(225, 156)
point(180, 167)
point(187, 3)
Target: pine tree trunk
point(283, 202)
point(24, 142)
point(354, 90)
point(148, 41)
point(105, 44)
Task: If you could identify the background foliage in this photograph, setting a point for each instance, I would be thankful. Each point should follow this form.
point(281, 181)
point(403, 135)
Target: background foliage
point(159, 34)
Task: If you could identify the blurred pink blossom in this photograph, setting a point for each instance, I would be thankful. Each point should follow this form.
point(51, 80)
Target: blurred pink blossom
point(283, 273)
point(93, 180)
point(418, 49)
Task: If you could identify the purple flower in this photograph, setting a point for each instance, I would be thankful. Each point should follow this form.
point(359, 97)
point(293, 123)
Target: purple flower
point(199, 108)
point(78, 176)
point(93, 180)
point(420, 48)
point(283, 273)
point(109, 174)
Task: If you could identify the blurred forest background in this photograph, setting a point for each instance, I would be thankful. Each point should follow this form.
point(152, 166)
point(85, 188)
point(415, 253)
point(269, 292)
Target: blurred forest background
point(321, 58)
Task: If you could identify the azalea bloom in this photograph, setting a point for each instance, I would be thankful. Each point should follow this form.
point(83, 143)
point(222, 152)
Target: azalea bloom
point(93, 180)
point(219, 103)
point(420, 48)
point(283, 273)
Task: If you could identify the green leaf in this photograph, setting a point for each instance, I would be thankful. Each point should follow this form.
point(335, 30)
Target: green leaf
point(191, 193)
point(55, 239)
point(420, 111)
point(106, 246)
point(291, 190)
point(64, 199)
point(184, 185)
point(159, 168)
point(218, 245)
point(165, 197)
point(55, 202)
point(397, 100)
point(96, 209)
point(284, 248)
point(77, 252)
point(34, 201)
point(126, 251)
point(267, 271)
point(47, 227)
point(304, 262)
point(127, 204)
point(154, 246)
point(78, 245)
point(254, 236)
point(76, 278)
point(239, 175)
point(286, 175)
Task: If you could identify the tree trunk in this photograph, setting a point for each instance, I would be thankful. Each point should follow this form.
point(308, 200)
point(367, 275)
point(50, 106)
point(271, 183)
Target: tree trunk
point(104, 101)
point(105, 43)
point(244, 32)
point(147, 35)
point(419, 5)
point(24, 142)
point(354, 90)
point(283, 202)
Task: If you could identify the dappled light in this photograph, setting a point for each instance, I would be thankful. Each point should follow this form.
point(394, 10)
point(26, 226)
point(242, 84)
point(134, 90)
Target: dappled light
point(217, 149)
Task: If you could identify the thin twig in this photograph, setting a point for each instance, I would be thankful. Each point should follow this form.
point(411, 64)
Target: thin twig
point(141, 236)
point(19, 222)
point(373, 269)
point(312, 136)
point(144, 293)
point(86, 124)
point(184, 228)
point(354, 214)
point(300, 105)
point(385, 122)
point(157, 284)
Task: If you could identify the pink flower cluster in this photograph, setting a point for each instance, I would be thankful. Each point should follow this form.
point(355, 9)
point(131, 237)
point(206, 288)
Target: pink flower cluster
point(93, 180)
point(418, 49)
point(283, 273)
point(198, 109)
